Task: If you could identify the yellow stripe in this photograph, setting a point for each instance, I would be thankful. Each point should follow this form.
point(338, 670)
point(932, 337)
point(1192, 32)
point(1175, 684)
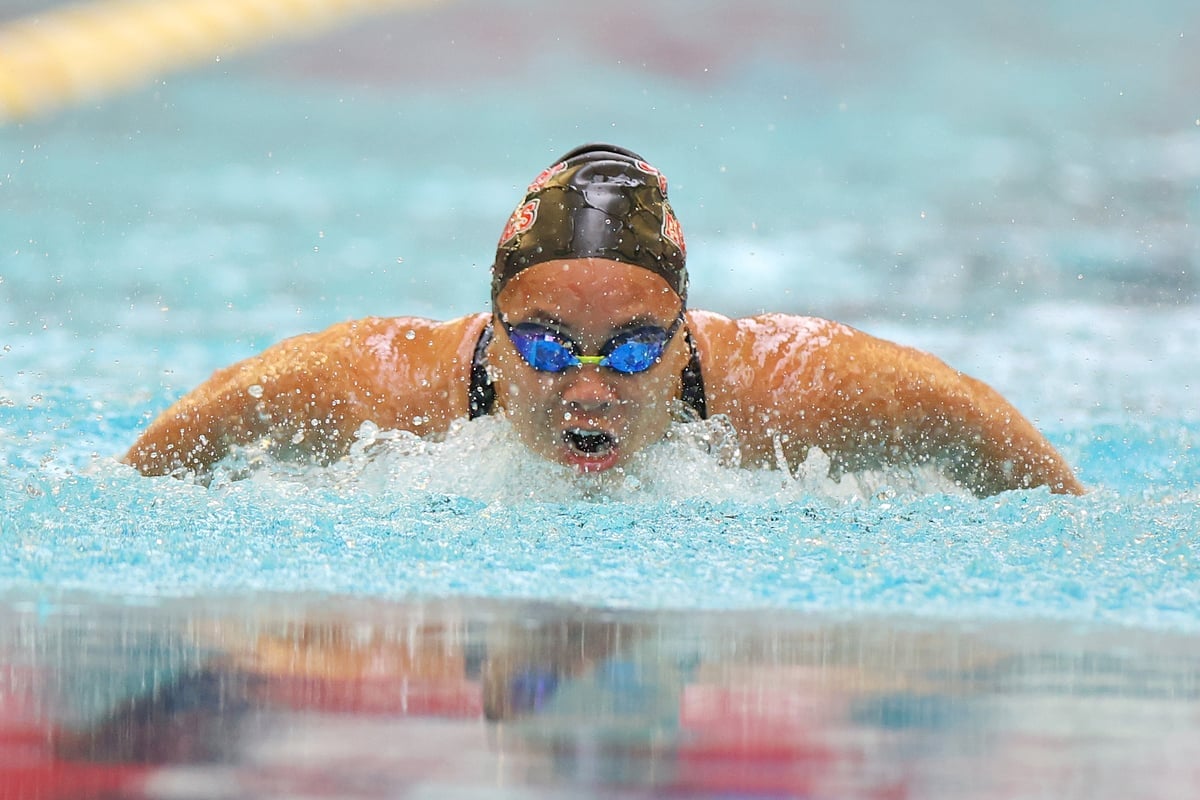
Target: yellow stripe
point(88, 50)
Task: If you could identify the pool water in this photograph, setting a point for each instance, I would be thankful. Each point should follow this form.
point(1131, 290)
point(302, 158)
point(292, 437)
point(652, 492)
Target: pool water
point(1015, 191)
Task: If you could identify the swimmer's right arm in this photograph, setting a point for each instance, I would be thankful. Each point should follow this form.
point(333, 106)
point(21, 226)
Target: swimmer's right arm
point(312, 392)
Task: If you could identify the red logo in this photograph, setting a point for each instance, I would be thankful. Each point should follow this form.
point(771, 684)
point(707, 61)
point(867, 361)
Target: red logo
point(521, 220)
point(544, 177)
point(671, 230)
point(649, 170)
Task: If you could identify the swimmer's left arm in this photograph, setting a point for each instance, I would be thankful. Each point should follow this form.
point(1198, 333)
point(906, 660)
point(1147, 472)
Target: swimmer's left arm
point(895, 403)
point(942, 414)
point(791, 383)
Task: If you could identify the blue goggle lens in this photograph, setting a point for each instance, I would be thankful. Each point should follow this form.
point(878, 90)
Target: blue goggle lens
point(541, 350)
point(638, 352)
point(628, 353)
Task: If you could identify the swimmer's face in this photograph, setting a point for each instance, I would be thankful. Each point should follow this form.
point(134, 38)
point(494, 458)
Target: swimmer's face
point(588, 416)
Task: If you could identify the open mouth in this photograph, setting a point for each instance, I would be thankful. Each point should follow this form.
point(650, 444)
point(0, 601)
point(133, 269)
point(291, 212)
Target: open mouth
point(589, 442)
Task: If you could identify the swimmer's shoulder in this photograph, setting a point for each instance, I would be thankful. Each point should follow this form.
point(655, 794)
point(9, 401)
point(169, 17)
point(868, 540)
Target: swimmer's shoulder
point(755, 366)
point(409, 372)
point(763, 339)
point(385, 356)
point(765, 373)
point(416, 350)
point(385, 337)
point(766, 358)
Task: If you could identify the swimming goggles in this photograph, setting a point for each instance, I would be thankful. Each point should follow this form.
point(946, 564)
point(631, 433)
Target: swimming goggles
point(628, 353)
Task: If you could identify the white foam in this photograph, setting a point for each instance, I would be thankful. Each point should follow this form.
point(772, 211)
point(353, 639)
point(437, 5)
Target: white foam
point(484, 460)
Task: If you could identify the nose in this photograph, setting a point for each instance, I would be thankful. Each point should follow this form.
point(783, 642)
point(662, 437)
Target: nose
point(590, 390)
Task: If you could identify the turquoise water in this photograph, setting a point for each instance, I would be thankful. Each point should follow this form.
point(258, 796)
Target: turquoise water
point(1016, 192)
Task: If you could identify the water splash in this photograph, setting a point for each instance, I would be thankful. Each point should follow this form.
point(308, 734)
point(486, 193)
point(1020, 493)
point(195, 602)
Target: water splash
point(483, 460)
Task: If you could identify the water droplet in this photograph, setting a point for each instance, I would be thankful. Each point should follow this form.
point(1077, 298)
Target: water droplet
point(255, 391)
point(410, 335)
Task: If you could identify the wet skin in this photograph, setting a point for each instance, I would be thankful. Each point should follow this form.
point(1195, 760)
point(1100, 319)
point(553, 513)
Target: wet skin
point(588, 417)
point(785, 383)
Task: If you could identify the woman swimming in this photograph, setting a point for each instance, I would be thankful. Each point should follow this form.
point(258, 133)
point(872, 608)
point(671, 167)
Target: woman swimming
point(590, 351)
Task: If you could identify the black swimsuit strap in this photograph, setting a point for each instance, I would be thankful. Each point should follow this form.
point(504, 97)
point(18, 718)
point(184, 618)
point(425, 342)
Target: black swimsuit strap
point(693, 380)
point(481, 395)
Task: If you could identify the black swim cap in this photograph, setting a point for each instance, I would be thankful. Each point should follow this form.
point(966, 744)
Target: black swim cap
point(599, 201)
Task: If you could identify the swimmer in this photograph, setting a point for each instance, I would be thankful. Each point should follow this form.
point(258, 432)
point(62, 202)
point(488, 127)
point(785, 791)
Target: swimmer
point(591, 352)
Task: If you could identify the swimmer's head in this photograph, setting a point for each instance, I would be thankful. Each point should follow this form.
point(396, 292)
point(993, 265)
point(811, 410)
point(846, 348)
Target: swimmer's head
point(597, 201)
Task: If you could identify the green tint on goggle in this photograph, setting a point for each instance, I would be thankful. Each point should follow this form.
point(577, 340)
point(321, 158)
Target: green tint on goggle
point(629, 352)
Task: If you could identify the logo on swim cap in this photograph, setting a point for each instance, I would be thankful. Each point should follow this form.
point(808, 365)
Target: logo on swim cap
point(597, 201)
point(671, 230)
point(649, 170)
point(544, 177)
point(521, 220)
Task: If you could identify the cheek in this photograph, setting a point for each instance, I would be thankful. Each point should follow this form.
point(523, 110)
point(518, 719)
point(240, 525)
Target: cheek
point(521, 391)
point(652, 398)
point(663, 382)
point(530, 389)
